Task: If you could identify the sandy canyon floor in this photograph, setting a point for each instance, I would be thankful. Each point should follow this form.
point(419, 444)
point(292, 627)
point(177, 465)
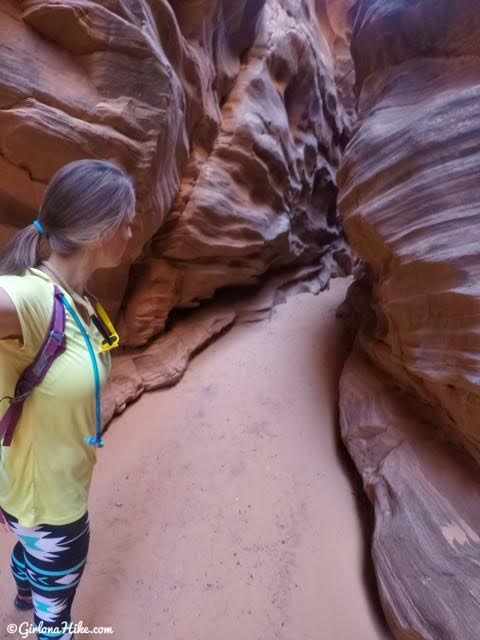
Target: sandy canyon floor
point(225, 507)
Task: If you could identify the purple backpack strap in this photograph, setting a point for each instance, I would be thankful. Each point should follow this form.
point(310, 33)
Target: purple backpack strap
point(53, 346)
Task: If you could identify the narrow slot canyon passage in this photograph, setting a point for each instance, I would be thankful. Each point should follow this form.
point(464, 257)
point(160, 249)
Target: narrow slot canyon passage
point(223, 507)
point(189, 164)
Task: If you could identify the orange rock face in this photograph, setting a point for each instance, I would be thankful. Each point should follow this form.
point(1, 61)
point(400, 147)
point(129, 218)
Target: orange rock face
point(226, 114)
point(335, 22)
point(258, 192)
point(409, 204)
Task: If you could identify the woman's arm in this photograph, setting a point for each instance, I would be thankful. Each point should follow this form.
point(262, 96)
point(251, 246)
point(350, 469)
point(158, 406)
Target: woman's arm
point(10, 326)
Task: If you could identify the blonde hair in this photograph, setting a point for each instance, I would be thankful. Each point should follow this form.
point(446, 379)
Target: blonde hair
point(85, 201)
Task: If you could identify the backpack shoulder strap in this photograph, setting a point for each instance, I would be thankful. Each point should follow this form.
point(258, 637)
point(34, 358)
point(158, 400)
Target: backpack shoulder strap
point(53, 346)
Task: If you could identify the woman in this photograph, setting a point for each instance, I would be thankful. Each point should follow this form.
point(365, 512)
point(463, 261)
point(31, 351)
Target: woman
point(45, 473)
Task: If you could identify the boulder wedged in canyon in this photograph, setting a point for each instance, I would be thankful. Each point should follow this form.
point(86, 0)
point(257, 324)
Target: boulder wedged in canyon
point(409, 202)
point(227, 117)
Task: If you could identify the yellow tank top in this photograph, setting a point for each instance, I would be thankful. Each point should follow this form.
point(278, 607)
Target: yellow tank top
point(46, 472)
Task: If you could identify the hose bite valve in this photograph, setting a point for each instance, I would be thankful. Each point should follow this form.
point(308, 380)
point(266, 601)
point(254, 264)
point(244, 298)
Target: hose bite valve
point(94, 441)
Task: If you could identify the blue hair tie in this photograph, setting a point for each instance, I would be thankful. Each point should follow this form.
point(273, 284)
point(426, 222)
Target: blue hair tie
point(39, 226)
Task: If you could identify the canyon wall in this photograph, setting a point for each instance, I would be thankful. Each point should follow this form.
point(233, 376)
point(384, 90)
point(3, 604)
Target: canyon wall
point(225, 113)
point(409, 399)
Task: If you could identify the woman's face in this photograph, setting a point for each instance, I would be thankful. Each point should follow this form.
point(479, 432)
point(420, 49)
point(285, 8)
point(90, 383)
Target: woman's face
point(110, 253)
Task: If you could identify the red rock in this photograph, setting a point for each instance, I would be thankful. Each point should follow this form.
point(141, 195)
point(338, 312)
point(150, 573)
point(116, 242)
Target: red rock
point(225, 113)
point(426, 493)
point(409, 204)
point(259, 190)
point(335, 21)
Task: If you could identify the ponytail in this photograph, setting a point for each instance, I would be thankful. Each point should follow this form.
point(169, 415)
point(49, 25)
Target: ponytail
point(22, 252)
point(85, 201)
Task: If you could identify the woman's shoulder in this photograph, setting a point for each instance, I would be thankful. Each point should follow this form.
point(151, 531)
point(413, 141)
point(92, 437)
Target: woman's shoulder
point(29, 291)
point(29, 277)
point(33, 300)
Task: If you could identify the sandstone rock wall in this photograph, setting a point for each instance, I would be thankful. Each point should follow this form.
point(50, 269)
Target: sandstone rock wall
point(335, 22)
point(259, 191)
point(226, 114)
point(409, 201)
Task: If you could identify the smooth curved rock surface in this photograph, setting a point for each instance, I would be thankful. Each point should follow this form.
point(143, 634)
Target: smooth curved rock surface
point(409, 201)
point(259, 193)
point(335, 21)
point(426, 493)
point(224, 112)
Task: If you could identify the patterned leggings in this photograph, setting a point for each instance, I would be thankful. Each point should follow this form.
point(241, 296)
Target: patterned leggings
point(47, 563)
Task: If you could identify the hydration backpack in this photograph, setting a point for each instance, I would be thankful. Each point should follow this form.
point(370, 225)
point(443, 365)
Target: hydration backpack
point(53, 346)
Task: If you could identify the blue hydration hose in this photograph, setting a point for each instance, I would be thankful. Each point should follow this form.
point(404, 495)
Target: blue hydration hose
point(95, 441)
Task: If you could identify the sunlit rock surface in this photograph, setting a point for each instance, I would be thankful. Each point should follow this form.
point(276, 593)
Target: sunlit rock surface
point(335, 22)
